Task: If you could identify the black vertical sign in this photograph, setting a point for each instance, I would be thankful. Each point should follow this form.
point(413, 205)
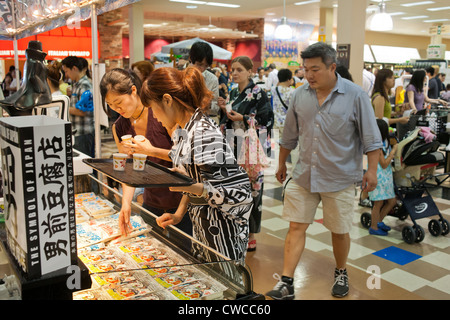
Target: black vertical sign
point(26, 136)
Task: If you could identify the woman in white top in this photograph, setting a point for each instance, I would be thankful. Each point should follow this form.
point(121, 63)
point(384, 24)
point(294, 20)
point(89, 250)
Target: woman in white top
point(281, 94)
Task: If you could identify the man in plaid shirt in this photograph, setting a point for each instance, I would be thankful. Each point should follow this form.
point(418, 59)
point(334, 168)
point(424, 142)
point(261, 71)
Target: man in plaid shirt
point(81, 106)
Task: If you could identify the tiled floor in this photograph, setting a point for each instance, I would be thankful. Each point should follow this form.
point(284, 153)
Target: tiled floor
point(406, 271)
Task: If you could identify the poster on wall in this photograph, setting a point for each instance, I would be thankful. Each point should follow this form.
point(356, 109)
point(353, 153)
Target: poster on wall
point(285, 52)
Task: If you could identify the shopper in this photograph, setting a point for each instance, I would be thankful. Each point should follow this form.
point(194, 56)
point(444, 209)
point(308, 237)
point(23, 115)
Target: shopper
point(272, 78)
point(219, 202)
point(54, 80)
point(6, 83)
point(383, 197)
point(384, 82)
point(441, 77)
point(368, 81)
point(201, 57)
point(415, 95)
point(249, 101)
point(260, 78)
point(143, 69)
point(333, 122)
point(433, 86)
point(120, 90)
point(399, 90)
point(82, 116)
point(446, 93)
point(223, 89)
point(299, 77)
point(281, 94)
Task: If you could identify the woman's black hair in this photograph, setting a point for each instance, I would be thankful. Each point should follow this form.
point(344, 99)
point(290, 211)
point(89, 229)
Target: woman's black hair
point(384, 129)
point(120, 81)
point(417, 79)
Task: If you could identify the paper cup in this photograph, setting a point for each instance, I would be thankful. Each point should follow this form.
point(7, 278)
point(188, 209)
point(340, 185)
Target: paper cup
point(228, 107)
point(139, 138)
point(139, 161)
point(119, 161)
point(127, 138)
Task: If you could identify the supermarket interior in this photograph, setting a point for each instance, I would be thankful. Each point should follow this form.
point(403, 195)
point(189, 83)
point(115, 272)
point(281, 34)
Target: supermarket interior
point(123, 175)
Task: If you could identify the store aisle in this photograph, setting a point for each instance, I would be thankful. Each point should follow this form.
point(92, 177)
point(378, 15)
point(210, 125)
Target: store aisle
point(418, 271)
point(411, 272)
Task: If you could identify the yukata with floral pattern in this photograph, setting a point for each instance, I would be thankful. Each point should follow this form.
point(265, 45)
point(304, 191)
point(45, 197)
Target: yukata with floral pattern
point(252, 102)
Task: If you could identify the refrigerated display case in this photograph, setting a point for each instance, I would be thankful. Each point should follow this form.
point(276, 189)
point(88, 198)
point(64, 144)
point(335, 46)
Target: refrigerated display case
point(151, 262)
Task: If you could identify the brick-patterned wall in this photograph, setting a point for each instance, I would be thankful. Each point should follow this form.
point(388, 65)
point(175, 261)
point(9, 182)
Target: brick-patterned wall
point(110, 40)
point(256, 26)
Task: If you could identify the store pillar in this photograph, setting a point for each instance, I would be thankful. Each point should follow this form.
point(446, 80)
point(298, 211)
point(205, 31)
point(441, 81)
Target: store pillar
point(136, 33)
point(351, 28)
point(326, 25)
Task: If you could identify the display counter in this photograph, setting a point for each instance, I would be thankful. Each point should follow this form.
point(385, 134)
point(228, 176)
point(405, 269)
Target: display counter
point(151, 263)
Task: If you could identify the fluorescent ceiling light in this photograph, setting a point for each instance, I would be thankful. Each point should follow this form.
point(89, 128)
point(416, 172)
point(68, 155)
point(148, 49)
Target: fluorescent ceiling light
point(438, 9)
point(396, 13)
point(306, 2)
point(189, 1)
point(218, 4)
point(436, 20)
point(415, 17)
point(413, 4)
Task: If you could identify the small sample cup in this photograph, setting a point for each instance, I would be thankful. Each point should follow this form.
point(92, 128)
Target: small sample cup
point(139, 161)
point(119, 161)
point(127, 138)
point(139, 138)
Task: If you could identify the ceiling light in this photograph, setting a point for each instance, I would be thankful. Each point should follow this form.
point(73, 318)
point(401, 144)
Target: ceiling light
point(191, 7)
point(415, 17)
point(283, 30)
point(189, 1)
point(306, 2)
point(436, 20)
point(218, 4)
point(413, 4)
point(380, 21)
point(396, 13)
point(438, 9)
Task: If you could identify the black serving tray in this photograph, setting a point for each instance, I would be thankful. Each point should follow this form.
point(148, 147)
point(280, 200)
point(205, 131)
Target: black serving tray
point(153, 175)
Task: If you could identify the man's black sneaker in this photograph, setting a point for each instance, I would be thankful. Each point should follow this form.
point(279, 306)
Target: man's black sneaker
point(340, 286)
point(282, 290)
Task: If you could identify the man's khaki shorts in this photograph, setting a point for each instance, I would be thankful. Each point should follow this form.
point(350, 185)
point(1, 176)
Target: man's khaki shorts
point(300, 206)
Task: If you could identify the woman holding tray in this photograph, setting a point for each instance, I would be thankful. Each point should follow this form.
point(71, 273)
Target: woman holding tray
point(120, 90)
point(220, 201)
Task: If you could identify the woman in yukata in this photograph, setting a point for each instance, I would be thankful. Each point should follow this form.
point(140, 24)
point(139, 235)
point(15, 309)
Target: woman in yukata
point(219, 202)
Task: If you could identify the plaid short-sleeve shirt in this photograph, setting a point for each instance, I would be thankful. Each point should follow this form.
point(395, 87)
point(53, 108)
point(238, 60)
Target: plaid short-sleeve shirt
point(82, 125)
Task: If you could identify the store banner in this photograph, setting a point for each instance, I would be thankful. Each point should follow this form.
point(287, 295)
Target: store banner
point(36, 16)
point(38, 186)
point(58, 43)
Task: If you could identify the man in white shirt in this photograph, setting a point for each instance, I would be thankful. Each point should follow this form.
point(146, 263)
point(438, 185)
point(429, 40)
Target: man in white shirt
point(368, 81)
point(272, 79)
point(201, 57)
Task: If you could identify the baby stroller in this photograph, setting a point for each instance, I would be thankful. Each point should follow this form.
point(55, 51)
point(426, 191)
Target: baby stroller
point(414, 165)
